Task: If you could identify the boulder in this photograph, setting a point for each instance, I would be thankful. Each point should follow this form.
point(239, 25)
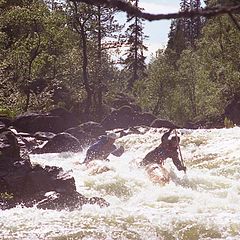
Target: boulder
point(9, 147)
point(44, 136)
point(126, 117)
point(69, 119)
point(71, 201)
point(46, 188)
point(144, 119)
point(83, 137)
point(33, 122)
point(6, 121)
point(162, 123)
point(55, 121)
point(93, 129)
point(118, 103)
point(232, 110)
point(49, 179)
point(15, 178)
point(120, 118)
point(62, 142)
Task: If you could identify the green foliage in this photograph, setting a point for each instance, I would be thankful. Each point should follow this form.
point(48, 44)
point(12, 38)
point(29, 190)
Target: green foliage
point(188, 84)
point(42, 64)
point(6, 196)
point(7, 112)
point(37, 52)
point(228, 123)
point(135, 59)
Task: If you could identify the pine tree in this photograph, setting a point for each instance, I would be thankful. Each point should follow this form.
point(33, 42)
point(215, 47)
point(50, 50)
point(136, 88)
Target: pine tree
point(135, 60)
point(185, 31)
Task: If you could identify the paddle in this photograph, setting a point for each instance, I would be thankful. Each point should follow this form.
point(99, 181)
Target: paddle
point(180, 153)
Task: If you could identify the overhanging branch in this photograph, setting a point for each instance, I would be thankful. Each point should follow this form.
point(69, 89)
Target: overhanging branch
point(131, 10)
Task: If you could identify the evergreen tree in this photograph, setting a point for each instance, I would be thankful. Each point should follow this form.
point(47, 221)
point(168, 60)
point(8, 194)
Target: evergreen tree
point(184, 32)
point(135, 60)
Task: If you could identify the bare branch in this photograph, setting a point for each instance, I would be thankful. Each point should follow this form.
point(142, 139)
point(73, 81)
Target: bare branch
point(132, 10)
point(234, 20)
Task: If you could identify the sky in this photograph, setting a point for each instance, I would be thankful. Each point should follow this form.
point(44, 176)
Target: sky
point(158, 30)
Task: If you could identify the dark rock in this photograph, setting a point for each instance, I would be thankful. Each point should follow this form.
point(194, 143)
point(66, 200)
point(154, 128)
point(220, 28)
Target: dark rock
point(131, 130)
point(97, 200)
point(94, 129)
point(59, 201)
point(62, 142)
point(6, 121)
point(49, 179)
point(144, 119)
point(9, 147)
point(44, 136)
point(2, 126)
point(47, 188)
point(162, 123)
point(32, 122)
point(190, 125)
point(67, 117)
point(84, 138)
point(16, 177)
point(232, 110)
point(126, 117)
point(56, 121)
point(121, 118)
point(210, 122)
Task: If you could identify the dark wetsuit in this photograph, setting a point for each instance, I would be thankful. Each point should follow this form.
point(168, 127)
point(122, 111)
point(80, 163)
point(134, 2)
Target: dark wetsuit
point(101, 150)
point(162, 152)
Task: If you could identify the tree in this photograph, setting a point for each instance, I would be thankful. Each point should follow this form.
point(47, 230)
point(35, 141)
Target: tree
point(107, 28)
point(81, 18)
point(185, 31)
point(154, 92)
point(33, 41)
point(93, 25)
point(135, 60)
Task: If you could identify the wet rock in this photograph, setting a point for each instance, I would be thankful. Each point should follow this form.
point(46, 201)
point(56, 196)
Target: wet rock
point(33, 122)
point(9, 147)
point(126, 117)
point(232, 110)
point(44, 136)
point(162, 123)
point(83, 137)
point(55, 121)
point(68, 118)
point(94, 129)
point(62, 142)
point(49, 179)
point(6, 121)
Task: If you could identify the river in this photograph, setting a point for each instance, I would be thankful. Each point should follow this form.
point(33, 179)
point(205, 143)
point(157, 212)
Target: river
point(202, 204)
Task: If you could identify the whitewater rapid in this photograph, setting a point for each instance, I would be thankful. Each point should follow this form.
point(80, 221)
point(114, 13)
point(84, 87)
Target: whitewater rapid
point(204, 203)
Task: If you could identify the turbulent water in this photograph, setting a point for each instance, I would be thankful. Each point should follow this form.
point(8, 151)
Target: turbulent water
point(204, 203)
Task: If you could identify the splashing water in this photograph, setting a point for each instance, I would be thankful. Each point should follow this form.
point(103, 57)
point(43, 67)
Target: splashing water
point(202, 204)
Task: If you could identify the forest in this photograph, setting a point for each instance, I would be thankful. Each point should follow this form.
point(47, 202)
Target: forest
point(77, 56)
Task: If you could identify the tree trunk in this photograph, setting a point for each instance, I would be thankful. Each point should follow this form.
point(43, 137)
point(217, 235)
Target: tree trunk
point(85, 73)
point(99, 88)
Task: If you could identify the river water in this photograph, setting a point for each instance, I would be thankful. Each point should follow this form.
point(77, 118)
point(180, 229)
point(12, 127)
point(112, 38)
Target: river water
point(204, 203)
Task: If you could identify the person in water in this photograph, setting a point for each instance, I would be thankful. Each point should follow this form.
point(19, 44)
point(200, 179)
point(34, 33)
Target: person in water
point(167, 149)
point(103, 148)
